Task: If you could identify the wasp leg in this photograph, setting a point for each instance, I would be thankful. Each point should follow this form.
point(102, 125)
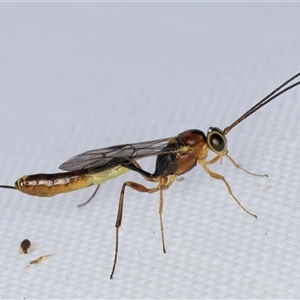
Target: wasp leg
point(216, 158)
point(163, 184)
point(212, 161)
point(220, 177)
point(239, 167)
point(88, 200)
point(134, 166)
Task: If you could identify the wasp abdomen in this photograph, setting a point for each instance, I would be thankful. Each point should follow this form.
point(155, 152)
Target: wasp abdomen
point(48, 185)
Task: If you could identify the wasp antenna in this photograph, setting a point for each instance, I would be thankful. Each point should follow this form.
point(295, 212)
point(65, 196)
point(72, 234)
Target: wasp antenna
point(274, 94)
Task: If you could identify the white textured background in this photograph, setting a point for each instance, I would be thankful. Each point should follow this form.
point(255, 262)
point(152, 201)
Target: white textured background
point(76, 77)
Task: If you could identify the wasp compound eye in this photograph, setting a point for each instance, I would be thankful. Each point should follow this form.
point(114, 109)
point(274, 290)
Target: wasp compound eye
point(216, 140)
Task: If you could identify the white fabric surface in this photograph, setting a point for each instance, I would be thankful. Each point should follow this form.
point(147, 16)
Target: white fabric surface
point(82, 76)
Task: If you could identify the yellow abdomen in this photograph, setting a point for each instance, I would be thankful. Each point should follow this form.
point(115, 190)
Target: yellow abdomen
point(48, 185)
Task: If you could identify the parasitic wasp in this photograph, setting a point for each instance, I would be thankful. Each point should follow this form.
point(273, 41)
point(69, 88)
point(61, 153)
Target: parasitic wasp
point(174, 156)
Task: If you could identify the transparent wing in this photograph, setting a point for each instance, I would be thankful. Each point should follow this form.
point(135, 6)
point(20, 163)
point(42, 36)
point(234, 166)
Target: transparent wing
point(108, 157)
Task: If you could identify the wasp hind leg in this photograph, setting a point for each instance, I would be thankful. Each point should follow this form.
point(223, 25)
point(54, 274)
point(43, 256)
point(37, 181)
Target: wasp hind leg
point(88, 200)
point(163, 184)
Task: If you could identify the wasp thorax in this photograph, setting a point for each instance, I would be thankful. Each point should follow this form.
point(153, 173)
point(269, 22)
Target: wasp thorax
point(216, 140)
point(191, 137)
